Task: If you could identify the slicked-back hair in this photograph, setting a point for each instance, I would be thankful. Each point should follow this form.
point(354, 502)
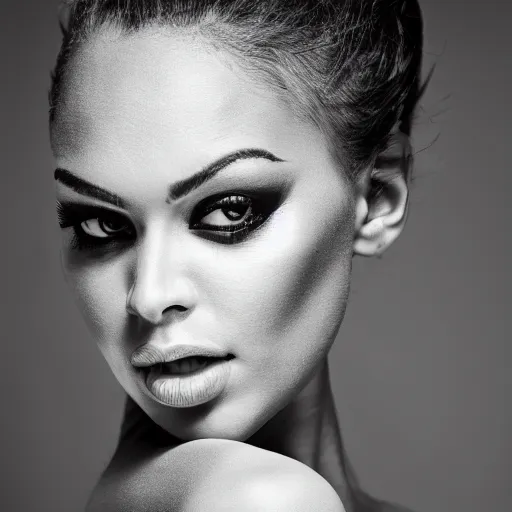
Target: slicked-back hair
point(352, 67)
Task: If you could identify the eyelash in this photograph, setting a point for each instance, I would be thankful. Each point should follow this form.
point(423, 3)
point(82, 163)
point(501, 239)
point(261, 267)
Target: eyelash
point(255, 212)
point(74, 215)
point(259, 209)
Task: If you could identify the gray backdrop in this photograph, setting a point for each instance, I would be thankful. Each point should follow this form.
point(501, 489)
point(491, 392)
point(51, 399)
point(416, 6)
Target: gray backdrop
point(420, 365)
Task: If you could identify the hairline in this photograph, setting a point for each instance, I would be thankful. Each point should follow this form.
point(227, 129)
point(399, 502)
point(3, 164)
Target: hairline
point(228, 54)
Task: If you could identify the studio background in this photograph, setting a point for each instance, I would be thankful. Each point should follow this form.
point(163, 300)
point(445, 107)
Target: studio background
point(421, 366)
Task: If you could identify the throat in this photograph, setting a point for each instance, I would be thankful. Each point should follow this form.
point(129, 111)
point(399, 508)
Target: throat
point(307, 430)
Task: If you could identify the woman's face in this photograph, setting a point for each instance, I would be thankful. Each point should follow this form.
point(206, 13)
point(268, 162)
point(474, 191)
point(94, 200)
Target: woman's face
point(252, 260)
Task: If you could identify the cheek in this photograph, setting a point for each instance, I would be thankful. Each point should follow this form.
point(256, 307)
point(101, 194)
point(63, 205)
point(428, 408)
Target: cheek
point(100, 291)
point(284, 292)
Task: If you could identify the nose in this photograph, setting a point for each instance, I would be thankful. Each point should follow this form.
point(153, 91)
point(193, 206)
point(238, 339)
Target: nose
point(160, 288)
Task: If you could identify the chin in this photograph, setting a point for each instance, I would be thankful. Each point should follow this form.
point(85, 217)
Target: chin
point(216, 419)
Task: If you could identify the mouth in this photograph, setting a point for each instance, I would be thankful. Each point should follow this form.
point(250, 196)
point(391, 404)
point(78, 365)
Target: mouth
point(186, 365)
point(183, 375)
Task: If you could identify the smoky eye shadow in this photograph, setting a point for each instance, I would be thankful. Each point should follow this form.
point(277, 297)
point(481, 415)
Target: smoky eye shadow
point(69, 213)
point(265, 200)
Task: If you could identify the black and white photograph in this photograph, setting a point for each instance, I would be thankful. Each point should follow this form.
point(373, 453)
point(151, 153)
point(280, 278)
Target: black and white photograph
point(256, 256)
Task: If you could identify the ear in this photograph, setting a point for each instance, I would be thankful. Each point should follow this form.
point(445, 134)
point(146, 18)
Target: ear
point(382, 198)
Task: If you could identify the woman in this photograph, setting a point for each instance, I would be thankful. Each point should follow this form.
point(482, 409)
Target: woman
point(219, 164)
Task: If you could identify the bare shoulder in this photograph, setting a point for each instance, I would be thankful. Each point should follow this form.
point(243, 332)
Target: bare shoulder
point(256, 480)
point(215, 475)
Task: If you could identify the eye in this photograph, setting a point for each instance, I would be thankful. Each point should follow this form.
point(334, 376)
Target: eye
point(229, 211)
point(102, 228)
point(94, 227)
point(232, 218)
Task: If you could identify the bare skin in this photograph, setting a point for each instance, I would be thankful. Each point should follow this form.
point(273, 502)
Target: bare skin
point(278, 400)
point(306, 430)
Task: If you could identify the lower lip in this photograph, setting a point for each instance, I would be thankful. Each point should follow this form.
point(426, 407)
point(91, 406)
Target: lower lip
point(188, 390)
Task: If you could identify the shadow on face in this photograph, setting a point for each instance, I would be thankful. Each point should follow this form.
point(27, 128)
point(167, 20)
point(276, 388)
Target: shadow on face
point(198, 210)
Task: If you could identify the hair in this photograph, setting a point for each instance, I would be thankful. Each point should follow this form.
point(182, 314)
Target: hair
point(352, 67)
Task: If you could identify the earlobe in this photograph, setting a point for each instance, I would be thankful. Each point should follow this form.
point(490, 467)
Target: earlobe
point(381, 208)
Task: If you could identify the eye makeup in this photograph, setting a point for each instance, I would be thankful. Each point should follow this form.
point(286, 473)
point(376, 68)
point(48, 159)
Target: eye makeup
point(111, 227)
point(226, 217)
point(231, 217)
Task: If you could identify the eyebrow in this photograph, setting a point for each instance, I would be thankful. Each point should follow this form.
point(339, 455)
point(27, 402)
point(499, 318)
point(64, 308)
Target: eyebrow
point(86, 188)
point(176, 190)
point(184, 187)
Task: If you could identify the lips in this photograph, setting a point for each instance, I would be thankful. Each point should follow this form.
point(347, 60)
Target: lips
point(149, 355)
point(185, 365)
point(183, 375)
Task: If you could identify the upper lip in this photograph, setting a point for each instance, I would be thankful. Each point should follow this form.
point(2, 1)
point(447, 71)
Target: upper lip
point(148, 355)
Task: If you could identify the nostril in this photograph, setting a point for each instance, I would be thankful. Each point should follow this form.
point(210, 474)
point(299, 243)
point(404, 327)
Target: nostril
point(153, 299)
point(176, 307)
point(175, 310)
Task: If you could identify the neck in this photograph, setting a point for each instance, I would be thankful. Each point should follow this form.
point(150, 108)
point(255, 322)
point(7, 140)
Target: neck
point(307, 430)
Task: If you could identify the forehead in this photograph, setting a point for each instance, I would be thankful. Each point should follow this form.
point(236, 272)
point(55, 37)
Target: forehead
point(155, 93)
